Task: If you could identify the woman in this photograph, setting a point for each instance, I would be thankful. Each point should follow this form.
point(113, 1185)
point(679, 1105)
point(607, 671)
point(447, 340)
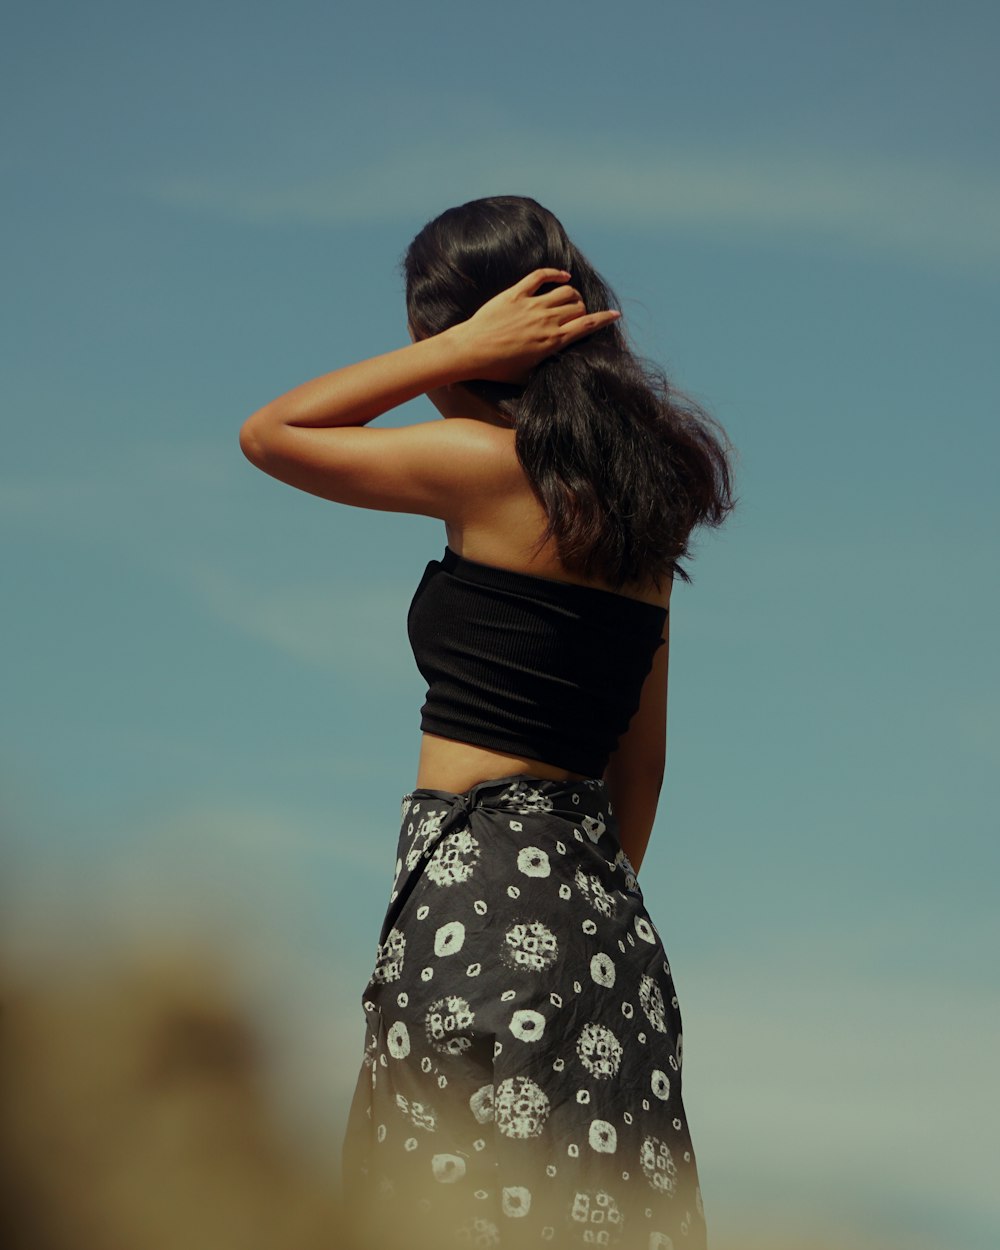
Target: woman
point(521, 1078)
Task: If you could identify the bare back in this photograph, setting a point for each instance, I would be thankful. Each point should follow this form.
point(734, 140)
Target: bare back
point(502, 529)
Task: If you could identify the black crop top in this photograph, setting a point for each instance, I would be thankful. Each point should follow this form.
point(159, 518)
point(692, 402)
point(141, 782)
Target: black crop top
point(527, 665)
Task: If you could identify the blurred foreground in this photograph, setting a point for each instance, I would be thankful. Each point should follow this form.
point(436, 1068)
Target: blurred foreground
point(135, 1115)
point(137, 1112)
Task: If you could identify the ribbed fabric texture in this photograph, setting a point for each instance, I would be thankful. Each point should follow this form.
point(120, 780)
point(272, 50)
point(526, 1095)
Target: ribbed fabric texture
point(527, 665)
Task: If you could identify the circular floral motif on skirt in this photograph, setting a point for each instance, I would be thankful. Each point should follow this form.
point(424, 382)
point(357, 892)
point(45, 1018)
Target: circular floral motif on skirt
point(602, 970)
point(449, 938)
point(603, 1136)
point(594, 826)
point(533, 862)
point(595, 893)
point(521, 1107)
point(389, 957)
point(521, 797)
point(448, 1021)
point(652, 1003)
point(527, 1025)
point(454, 858)
point(600, 1212)
point(428, 827)
point(398, 1040)
point(481, 1104)
point(529, 944)
point(658, 1165)
point(624, 864)
point(516, 1200)
point(599, 1051)
point(419, 1114)
point(448, 1168)
point(479, 1232)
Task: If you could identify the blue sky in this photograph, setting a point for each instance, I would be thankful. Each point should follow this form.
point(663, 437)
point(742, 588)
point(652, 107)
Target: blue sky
point(211, 711)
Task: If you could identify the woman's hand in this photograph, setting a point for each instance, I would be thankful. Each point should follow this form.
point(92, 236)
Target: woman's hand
point(501, 342)
point(515, 330)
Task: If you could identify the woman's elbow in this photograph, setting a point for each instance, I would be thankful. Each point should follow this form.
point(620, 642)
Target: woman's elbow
point(646, 772)
point(251, 443)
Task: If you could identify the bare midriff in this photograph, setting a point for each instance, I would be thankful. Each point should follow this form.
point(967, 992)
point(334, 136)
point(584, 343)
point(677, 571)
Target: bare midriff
point(457, 766)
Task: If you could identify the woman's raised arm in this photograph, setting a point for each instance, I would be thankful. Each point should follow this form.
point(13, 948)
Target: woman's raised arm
point(309, 438)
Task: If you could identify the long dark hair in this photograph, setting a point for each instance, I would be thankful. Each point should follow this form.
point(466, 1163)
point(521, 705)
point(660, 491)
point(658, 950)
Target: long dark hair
point(624, 466)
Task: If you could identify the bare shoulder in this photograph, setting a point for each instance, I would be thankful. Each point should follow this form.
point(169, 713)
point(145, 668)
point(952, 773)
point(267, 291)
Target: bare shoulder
point(492, 480)
point(501, 522)
point(494, 443)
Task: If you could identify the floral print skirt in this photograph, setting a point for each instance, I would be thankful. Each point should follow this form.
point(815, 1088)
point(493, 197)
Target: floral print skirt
point(521, 1083)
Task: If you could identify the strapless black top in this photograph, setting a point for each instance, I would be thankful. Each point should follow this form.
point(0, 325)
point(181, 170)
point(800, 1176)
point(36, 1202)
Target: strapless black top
point(527, 665)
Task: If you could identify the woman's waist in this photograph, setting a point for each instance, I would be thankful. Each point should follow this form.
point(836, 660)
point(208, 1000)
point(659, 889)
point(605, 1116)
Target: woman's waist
point(511, 852)
point(451, 765)
point(503, 816)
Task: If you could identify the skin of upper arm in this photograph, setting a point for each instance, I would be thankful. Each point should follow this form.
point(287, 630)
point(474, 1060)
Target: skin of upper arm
point(634, 775)
point(642, 748)
point(429, 469)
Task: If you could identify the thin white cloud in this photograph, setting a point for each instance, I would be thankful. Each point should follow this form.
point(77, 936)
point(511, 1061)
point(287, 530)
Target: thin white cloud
point(946, 217)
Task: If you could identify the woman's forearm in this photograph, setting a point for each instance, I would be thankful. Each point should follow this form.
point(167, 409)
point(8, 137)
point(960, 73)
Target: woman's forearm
point(635, 797)
point(357, 393)
point(502, 341)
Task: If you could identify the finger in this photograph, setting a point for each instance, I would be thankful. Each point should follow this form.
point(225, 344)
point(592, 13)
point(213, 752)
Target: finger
point(564, 294)
point(591, 322)
point(538, 277)
point(569, 312)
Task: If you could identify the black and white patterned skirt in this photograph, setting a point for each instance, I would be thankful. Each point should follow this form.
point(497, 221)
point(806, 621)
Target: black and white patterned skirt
point(521, 1082)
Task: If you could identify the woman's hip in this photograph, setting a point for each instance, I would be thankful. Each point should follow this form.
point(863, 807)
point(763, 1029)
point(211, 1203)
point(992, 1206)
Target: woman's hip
point(513, 911)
